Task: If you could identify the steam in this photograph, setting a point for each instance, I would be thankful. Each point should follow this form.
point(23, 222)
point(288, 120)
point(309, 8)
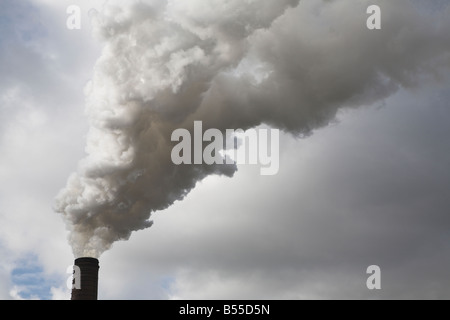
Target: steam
point(230, 64)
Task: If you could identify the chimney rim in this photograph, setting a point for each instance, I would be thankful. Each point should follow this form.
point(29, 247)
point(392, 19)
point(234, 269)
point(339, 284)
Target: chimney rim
point(87, 260)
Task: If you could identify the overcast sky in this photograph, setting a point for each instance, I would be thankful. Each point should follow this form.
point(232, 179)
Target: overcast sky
point(370, 188)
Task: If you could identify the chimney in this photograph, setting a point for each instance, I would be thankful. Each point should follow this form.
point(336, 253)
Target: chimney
point(87, 277)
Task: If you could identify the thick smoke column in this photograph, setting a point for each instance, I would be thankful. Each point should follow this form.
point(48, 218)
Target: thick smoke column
point(231, 64)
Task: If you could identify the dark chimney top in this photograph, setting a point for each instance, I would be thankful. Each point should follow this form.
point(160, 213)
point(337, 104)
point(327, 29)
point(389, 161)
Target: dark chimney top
point(88, 286)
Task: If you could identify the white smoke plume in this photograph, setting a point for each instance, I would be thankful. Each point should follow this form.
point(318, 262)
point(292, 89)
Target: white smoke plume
point(232, 64)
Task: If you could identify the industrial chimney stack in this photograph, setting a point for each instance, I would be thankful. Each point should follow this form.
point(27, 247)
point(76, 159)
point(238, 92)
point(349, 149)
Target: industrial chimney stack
point(88, 279)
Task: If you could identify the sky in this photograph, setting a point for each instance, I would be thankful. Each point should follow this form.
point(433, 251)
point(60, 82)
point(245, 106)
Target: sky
point(364, 155)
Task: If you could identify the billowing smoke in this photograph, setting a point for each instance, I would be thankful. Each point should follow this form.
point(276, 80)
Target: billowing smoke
point(232, 64)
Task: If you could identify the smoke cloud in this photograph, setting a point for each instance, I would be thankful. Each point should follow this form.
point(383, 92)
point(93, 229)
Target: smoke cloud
point(231, 64)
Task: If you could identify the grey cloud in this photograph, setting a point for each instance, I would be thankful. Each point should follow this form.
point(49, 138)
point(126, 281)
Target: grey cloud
point(366, 191)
